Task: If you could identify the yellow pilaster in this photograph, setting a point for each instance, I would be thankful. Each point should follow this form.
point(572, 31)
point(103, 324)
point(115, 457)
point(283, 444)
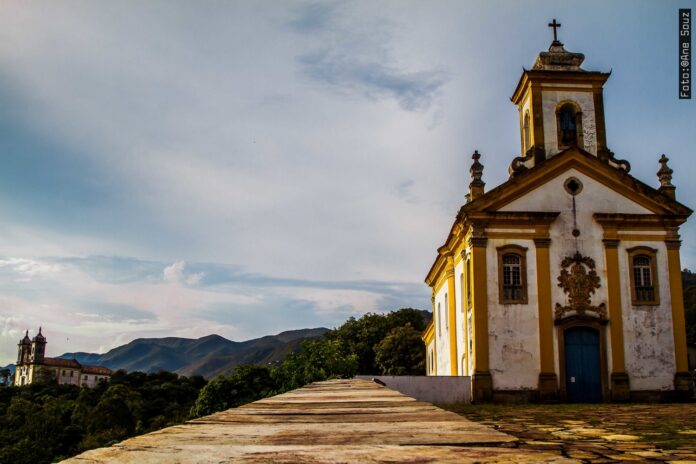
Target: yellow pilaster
point(546, 351)
point(675, 290)
point(452, 314)
point(614, 303)
point(479, 295)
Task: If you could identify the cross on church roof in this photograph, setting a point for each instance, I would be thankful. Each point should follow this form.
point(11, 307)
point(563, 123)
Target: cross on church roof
point(555, 26)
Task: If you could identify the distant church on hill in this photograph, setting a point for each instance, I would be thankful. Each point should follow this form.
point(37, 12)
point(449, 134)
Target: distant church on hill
point(564, 282)
point(33, 364)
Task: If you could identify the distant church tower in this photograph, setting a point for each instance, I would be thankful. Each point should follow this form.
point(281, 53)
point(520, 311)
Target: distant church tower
point(564, 282)
point(38, 348)
point(24, 350)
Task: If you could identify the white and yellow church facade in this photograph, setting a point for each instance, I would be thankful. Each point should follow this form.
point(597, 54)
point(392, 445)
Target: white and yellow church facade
point(564, 282)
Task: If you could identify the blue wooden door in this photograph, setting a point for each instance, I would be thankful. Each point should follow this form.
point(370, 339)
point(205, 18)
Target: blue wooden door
point(583, 382)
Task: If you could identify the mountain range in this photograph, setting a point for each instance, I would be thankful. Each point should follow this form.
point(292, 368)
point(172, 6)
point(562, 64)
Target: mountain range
point(207, 356)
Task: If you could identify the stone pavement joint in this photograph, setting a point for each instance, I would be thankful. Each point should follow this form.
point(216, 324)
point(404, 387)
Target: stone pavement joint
point(346, 421)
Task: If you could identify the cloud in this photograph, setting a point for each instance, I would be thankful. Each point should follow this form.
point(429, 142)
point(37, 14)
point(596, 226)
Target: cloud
point(313, 17)
point(113, 312)
point(405, 191)
point(356, 60)
point(175, 273)
point(415, 91)
point(27, 268)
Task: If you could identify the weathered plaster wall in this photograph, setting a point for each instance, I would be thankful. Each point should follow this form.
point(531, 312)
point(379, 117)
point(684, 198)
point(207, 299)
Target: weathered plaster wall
point(550, 100)
point(513, 329)
point(648, 336)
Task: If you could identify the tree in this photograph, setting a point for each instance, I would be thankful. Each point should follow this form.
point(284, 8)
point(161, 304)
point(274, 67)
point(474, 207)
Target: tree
point(317, 360)
point(360, 336)
point(401, 352)
point(116, 414)
point(246, 384)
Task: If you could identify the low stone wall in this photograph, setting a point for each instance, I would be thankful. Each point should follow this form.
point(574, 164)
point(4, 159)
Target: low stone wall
point(432, 389)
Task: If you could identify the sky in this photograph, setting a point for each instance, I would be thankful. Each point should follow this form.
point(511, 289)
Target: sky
point(180, 168)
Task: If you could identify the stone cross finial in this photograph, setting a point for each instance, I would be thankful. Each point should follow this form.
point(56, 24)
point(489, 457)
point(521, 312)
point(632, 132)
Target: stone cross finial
point(476, 186)
point(665, 176)
point(555, 26)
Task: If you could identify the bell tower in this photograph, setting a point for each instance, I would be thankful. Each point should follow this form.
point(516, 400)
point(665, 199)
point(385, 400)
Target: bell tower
point(38, 348)
point(24, 350)
point(560, 106)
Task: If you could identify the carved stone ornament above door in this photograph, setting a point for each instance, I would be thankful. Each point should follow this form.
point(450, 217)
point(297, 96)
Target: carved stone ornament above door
point(579, 280)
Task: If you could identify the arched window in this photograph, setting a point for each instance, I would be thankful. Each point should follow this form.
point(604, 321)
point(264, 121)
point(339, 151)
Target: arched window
point(569, 122)
point(512, 274)
point(527, 132)
point(643, 276)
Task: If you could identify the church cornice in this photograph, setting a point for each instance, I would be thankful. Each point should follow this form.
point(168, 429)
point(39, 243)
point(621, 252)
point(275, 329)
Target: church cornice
point(616, 179)
point(621, 221)
point(472, 230)
point(594, 79)
point(429, 332)
point(507, 219)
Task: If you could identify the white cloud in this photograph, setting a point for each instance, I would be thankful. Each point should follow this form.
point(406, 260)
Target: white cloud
point(30, 267)
point(176, 273)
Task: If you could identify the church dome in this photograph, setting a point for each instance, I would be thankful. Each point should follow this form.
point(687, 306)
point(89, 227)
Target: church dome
point(26, 340)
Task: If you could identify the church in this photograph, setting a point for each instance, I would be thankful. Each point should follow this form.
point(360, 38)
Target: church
point(33, 364)
point(564, 282)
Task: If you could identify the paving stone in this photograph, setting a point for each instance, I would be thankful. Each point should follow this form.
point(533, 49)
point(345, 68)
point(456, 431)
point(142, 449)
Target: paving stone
point(650, 454)
point(589, 432)
point(624, 457)
point(619, 437)
point(581, 455)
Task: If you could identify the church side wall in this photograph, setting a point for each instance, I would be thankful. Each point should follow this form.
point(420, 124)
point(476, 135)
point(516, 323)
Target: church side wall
point(513, 329)
point(442, 332)
point(550, 100)
point(648, 335)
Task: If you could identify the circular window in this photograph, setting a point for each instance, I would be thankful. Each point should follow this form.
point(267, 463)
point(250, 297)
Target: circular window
point(573, 185)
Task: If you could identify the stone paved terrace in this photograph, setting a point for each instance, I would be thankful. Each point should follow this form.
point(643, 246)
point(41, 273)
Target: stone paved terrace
point(597, 433)
point(337, 421)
